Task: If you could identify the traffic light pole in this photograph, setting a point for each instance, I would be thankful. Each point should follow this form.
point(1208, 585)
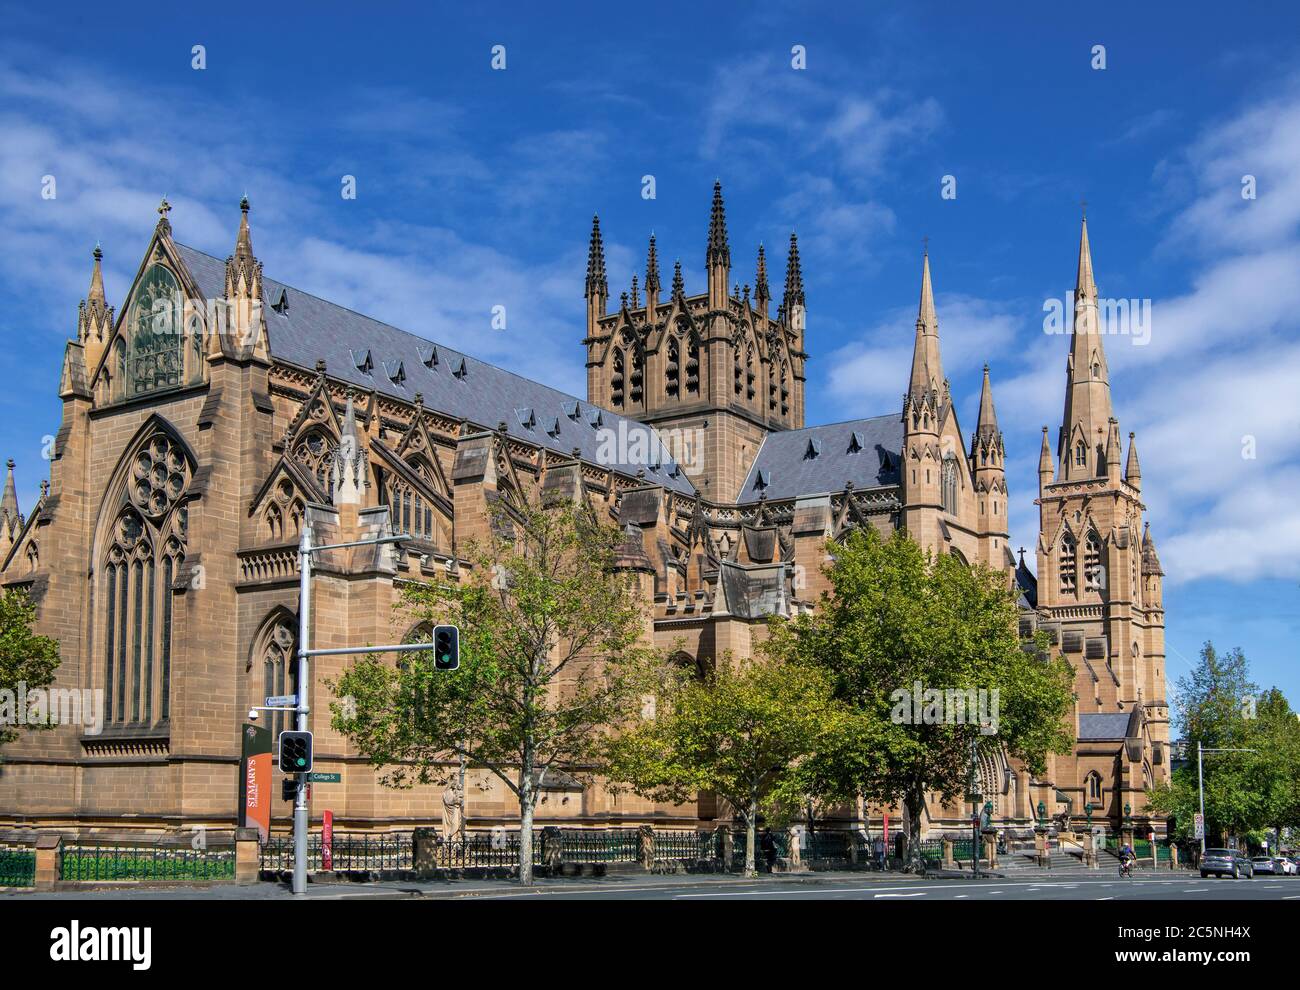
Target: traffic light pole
point(305, 653)
point(304, 634)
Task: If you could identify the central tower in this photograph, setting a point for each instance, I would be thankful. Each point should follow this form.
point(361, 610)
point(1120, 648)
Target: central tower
point(712, 372)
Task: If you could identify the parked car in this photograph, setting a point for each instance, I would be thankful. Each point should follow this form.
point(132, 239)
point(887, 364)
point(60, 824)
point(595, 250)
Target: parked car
point(1266, 864)
point(1290, 866)
point(1226, 862)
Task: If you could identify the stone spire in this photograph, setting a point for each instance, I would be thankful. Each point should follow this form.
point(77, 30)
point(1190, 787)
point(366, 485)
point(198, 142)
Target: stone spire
point(719, 252)
point(94, 315)
point(1045, 467)
point(927, 368)
point(1081, 447)
point(679, 287)
point(349, 458)
point(244, 241)
point(1132, 471)
point(987, 424)
point(1150, 559)
point(243, 289)
point(718, 256)
point(793, 276)
point(597, 283)
point(762, 294)
point(10, 518)
point(652, 270)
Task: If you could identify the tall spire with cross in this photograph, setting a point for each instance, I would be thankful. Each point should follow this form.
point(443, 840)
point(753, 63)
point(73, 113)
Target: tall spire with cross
point(1085, 422)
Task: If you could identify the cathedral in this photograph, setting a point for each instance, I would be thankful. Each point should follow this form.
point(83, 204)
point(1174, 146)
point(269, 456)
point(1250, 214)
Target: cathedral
point(218, 412)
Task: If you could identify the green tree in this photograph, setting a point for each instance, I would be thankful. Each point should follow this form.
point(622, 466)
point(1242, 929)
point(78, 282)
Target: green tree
point(1253, 787)
point(552, 659)
point(27, 660)
point(895, 620)
point(746, 730)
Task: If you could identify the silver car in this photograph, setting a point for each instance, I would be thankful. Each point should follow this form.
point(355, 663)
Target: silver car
point(1226, 862)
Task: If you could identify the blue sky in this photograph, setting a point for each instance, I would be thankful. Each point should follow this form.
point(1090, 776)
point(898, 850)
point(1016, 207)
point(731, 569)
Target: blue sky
point(475, 188)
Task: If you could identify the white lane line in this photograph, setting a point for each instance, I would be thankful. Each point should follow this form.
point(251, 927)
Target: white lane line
point(917, 894)
point(1111, 898)
point(1199, 890)
point(960, 896)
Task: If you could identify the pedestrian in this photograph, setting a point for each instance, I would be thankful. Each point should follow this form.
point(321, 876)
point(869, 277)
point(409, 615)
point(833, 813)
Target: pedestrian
point(878, 851)
point(768, 845)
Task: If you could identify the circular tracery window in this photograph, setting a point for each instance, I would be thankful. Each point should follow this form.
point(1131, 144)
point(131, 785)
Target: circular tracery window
point(160, 476)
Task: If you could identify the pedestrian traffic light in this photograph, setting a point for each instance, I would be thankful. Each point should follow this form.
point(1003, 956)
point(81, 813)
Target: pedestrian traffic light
point(289, 789)
point(446, 647)
point(295, 752)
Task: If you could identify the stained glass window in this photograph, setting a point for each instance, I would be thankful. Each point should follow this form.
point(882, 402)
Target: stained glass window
point(155, 359)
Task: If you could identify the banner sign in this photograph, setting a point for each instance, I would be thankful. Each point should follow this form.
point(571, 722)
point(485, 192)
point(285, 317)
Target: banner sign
point(327, 843)
point(255, 780)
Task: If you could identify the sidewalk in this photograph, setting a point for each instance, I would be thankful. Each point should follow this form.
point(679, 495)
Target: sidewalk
point(416, 889)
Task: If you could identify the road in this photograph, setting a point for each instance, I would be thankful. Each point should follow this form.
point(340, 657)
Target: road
point(1101, 886)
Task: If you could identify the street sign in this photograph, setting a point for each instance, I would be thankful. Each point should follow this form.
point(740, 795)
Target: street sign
point(282, 701)
point(319, 777)
point(1200, 826)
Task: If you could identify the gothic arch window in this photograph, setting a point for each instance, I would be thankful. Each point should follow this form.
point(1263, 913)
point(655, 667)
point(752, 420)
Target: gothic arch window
point(33, 557)
point(274, 666)
point(1092, 570)
point(616, 382)
point(637, 380)
point(785, 389)
point(990, 779)
point(1068, 565)
point(156, 331)
point(672, 373)
point(1081, 454)
point(314, 450)
point(144, 547)
point(409, 509)
point(948, 485)
point(1094, 789)
point(693, 364)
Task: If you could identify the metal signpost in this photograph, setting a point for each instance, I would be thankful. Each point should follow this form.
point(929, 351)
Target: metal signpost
point(305, 653)
point(1200, 786)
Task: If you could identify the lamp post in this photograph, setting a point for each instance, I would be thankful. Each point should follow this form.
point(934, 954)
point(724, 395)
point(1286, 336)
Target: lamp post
point(1200, 780)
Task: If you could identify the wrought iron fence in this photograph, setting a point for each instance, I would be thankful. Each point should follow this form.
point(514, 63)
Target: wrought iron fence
point(146, 863)
point(620, 845)
point(684, 845)
point(17, 867)
point(350, 853)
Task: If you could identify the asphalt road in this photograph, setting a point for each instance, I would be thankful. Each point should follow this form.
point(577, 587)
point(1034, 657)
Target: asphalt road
point(1102, 886)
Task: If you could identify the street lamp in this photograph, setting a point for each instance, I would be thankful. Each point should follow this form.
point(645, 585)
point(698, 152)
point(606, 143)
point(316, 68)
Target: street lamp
point(1042, 814)
point(1200, 781)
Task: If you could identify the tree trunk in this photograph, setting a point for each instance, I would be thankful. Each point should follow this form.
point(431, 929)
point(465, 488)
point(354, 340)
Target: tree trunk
point(526, 831)
point(751, 838)
point(915, 803)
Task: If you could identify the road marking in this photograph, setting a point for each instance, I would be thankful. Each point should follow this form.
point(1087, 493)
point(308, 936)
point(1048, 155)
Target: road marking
point(960, 896)
point(1199, 890)
point(1111, 898)
point(917, 894)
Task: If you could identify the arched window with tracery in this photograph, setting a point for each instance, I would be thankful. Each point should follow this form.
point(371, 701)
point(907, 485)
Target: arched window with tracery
point(948, 485)
point(145, 549)
point(616, 383)
point(1094, 789)
point(274, 664)
point(673, 371)
point(1067, 565)
point(314, 450)
point(1092, 569)
point(693, 364)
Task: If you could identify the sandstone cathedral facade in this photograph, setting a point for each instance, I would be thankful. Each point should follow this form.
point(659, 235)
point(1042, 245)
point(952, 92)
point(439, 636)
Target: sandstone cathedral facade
point(218, 412)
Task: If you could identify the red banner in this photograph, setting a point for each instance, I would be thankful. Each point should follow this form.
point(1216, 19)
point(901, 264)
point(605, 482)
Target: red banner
point(327, 843)
point(255, 781)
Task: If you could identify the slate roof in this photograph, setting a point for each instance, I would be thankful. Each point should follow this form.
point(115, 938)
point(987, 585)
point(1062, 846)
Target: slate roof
point(1103, 725)
point(311, 328)
point(820, 459)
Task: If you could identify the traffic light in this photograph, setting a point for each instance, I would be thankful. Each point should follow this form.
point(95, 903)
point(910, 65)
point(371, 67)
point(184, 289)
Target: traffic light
point(295, 752)
point(446, 647)
point(289, 789)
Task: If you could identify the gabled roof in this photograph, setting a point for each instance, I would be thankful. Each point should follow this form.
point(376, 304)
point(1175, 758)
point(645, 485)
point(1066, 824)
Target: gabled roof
point(819, 459)
point(308, 328)
point(1100, 726)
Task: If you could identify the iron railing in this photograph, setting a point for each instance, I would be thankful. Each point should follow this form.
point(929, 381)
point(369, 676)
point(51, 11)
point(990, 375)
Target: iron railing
point(146, 863)
point(17, 867)
point(350, 853)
